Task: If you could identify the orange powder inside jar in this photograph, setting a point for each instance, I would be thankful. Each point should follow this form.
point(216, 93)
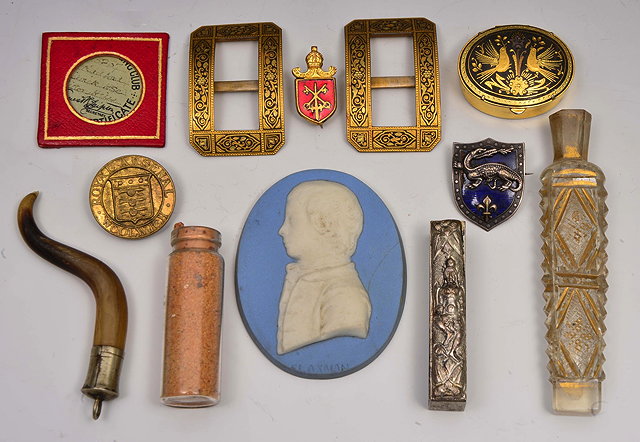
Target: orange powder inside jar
point(191, 376)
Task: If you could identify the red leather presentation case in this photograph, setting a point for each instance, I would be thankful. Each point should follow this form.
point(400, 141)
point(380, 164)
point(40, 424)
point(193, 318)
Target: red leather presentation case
point(60, 126)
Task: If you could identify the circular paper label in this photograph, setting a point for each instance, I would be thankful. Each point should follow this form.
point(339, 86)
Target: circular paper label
point(104, 88)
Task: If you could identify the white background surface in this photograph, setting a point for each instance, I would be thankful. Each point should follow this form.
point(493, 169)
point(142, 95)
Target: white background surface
point(46, 315)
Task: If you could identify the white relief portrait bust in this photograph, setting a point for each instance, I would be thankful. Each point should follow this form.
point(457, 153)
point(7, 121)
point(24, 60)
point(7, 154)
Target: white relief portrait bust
point(322, 296)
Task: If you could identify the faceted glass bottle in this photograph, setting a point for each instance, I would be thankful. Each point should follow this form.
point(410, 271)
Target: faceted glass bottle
point(574, 241)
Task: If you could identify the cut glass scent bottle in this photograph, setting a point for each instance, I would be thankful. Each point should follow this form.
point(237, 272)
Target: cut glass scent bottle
point(574, 241)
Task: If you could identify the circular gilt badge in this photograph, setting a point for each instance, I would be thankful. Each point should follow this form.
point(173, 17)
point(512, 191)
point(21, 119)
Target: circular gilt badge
point(132, 197)
point(320, 274)
point(104, 88)
point(515, 71)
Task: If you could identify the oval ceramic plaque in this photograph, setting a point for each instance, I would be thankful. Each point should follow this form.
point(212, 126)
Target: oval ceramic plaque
point(320, 274)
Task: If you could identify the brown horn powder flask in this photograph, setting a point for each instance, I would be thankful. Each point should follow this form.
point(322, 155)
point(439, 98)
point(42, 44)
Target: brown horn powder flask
point(107, 353)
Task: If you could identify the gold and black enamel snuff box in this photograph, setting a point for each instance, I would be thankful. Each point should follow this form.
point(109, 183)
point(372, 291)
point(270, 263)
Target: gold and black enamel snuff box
point(515, 71)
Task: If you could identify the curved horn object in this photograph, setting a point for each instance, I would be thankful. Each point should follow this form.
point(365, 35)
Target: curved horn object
point(110, 331)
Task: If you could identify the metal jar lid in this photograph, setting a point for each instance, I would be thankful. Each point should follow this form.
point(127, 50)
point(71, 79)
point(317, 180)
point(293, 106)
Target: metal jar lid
point(515, 71)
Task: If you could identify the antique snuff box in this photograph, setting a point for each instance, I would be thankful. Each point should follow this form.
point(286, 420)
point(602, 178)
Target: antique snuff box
point(515, 71)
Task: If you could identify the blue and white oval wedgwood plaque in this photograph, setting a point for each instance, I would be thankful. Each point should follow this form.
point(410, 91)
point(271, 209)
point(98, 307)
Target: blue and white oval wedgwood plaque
point(320, 274)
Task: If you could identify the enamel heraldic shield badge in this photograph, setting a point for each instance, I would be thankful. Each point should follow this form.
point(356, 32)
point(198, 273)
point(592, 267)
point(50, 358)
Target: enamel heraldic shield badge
point(315, 89)
point(488, 180)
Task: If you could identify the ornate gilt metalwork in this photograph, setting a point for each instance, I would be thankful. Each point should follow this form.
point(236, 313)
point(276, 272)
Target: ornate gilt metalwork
point(488, 180)
point(315, 89)
point(515, 71)
point(203, 136)
point(447, 317)
point(574, 242)
point(361, 133)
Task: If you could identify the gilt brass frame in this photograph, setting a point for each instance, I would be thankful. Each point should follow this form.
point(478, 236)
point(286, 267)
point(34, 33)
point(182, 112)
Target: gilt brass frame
point(361, 133)
point(203, 136)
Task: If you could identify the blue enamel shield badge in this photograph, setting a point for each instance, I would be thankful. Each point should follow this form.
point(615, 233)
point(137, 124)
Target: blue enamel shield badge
point(488, 180)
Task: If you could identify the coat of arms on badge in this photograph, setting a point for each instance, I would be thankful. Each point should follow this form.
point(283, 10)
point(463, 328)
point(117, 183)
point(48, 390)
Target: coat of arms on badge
point(315, 89)
point(132, 200)
point(488, 180)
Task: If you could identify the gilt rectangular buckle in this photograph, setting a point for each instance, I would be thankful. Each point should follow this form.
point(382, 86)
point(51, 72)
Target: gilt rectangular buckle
point(361, 133)
point(203, 136)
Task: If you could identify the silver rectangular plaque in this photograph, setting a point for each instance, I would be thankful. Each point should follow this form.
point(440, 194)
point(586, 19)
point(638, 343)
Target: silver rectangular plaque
point(447, 317)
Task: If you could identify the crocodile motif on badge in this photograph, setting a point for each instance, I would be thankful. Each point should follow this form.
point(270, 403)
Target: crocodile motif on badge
point(488, 179)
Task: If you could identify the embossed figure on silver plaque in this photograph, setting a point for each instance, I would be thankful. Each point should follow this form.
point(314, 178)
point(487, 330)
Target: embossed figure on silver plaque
point(447, 317)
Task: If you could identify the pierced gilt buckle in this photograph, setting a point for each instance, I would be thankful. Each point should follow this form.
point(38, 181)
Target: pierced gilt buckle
point(361, 133)
point(203, 136)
